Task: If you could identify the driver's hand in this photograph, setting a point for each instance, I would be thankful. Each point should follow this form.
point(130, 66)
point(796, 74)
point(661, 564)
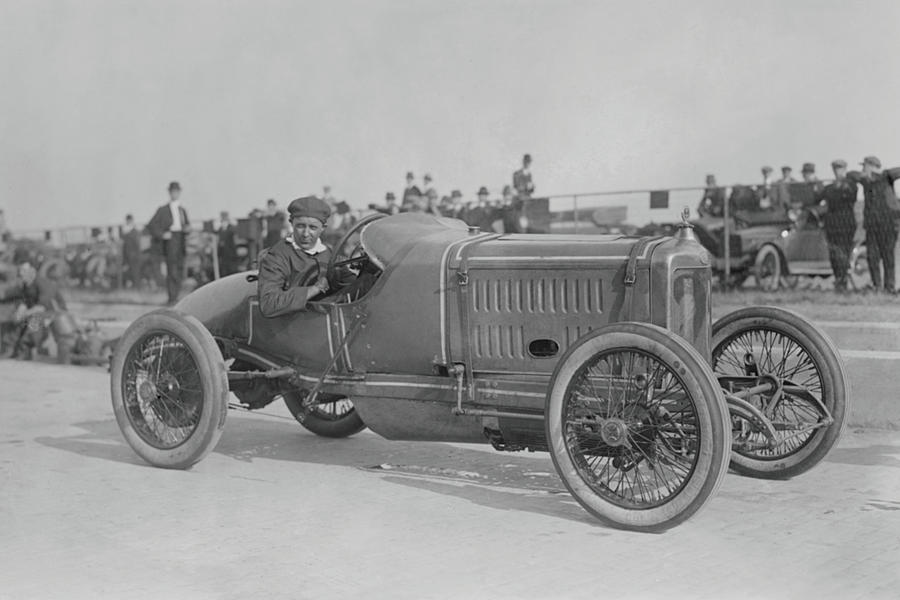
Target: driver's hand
point(322, 285)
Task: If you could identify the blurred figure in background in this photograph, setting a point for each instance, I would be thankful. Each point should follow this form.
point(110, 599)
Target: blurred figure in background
point(810, 194)
point(781, 191)
point(880, 214)
point(170, 227)
point(131, 253)
point(4, 231)
point(411, 194)
point(712, 204)
point(275, 224)
point(428, 187)
point(764, 191)
point(522, 180)
point(226, 245)
point(840, 222)
point(40, 304)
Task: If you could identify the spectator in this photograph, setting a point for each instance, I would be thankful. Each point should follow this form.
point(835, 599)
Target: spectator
point(712, 204)
point(764, 191)
point(391, 206)
point(327, 196)
point(254, 236)
point(457, 206)
point(131, 253)
point(429, 187)
point(37, 297)
point(411, 194)
point(226, 245)
point(840, 222)
point(781, 192)
point(880, 212)
point(808, 195)
point(508, 211)
point(170, 226)
point(522, 181)
point(275, 224)
point(432, 205)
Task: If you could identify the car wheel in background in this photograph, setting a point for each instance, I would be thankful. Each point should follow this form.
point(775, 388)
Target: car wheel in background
point(637, 426)
point(768, 268)
point(809, 404)
point(334, 416)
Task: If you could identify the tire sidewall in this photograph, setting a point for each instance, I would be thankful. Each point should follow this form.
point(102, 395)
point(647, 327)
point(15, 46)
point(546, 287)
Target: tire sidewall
point(213, 377)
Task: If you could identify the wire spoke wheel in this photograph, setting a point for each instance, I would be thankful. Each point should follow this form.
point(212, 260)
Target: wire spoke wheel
point(162, 390)
point(331, 416)
point(630, 427)
point(637, 426)
point(169, 389)
point(807, 405)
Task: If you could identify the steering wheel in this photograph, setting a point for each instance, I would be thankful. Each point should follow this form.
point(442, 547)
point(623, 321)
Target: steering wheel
point(355, 257)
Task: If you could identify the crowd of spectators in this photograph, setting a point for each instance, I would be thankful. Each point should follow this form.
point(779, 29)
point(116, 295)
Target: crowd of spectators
point(787, 198)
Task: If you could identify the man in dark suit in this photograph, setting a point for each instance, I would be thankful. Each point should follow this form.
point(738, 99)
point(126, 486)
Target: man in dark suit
point(131, 252)
point(169, 226)
point(522, 182)
point(227, 246)
point(840, 222)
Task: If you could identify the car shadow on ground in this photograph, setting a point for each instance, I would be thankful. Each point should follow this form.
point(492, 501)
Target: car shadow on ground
point(508, 481)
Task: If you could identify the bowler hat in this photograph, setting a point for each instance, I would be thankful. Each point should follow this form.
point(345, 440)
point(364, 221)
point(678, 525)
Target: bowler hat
point(390, 196)
point(483, 191)
point(456, 194)
point(174, 186)
point(808, 168)
point(526, 158)
point(309, 206)
point(839, 164)
point(871, 160)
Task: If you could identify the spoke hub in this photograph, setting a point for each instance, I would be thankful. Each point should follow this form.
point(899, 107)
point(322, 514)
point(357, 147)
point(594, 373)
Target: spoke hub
point(614, 432)
point(147, 391)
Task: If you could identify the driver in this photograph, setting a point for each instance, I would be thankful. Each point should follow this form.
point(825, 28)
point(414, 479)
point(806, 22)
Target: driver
point(294, 270)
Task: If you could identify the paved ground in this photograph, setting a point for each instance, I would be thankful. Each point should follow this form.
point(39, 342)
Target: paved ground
point(275, 512)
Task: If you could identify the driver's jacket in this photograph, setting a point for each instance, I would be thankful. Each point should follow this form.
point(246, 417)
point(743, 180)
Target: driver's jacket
point(286, 276)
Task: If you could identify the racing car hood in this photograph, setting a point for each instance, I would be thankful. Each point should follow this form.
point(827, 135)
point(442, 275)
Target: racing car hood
point(384, 239)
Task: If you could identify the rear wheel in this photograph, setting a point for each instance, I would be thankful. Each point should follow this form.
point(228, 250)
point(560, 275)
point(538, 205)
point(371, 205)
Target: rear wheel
point(169, 389)
point(637, 427)
point(333, 416)
point(808, 405)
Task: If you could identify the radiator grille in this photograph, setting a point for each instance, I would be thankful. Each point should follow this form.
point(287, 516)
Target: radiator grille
point(537, 296)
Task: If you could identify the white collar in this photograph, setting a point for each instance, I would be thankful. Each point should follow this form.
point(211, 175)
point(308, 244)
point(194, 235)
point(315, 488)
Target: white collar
point(318, 248)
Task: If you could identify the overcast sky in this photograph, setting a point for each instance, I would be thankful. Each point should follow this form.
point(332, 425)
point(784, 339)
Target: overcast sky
point(105, 102)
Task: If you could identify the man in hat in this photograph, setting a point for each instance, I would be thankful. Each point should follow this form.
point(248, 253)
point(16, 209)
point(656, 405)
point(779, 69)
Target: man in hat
point(781, 191)
point(429, 190)
point(226, 245)
point(712, 204)
point(840, 222)
point(411, 194)
point(522, 181)
point(807, 195)
point(131, 253)
point(169, 228)
point(293, 271)
point(390, 204)
point(880, 214)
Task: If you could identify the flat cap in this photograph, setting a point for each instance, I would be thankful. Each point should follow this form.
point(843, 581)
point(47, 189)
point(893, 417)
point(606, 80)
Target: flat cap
point(786, 168)
point(839, 164)
point(309, 206)
point(456, 194)
point(808, 168)
point(409, 175)
point(871, 160)
point(767, 169)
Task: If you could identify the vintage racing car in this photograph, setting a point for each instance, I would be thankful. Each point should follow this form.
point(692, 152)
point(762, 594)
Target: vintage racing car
point(598, 349)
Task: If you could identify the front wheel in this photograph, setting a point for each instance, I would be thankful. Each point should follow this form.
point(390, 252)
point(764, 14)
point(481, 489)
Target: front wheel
point(169, 389)
point(768, 268)
point(333, 416)
point(637, 426)
point(809, 399)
